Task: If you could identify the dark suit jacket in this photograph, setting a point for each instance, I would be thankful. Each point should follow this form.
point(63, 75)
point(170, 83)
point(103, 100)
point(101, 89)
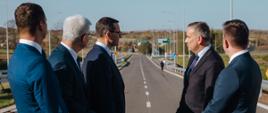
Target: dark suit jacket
point(71, 80)
point(34, 86)
point(199, 84)
point(105, 85)
point(237, 87)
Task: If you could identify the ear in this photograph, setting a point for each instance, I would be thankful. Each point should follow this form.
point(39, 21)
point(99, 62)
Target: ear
point(42, 25)
point(226, 43)
point(200, 40)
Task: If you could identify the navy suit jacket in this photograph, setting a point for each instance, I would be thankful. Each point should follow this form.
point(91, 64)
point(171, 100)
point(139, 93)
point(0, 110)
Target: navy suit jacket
point(34, 86)
point(199, 84)
point(71, 80)
point(105, 85)
point(237, 88)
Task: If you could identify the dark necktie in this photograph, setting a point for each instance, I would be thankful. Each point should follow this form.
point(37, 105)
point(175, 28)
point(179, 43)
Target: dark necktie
point(78, 63)
point(193, 64)
point(43, 53)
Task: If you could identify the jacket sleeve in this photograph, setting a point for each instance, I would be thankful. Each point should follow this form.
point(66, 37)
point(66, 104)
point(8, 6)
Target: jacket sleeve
point(211, 76)
point(40, 86)
point(226, 85)
point(101, 94)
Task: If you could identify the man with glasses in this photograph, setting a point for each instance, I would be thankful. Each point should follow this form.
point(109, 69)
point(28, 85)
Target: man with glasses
point(105, 86)
point(65, 63)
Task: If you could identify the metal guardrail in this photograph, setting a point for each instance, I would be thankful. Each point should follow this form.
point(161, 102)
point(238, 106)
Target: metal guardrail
point(3, 74)
point(264, 85)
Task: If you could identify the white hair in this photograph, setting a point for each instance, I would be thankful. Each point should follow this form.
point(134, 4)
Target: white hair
point(75, 26)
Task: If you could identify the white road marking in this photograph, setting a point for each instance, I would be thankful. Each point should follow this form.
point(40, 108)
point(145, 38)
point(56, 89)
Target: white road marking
point(148, 104)
point(145, 86)
point(172, 73)
point(263, 106)
point(147, 93)
point(180, 76)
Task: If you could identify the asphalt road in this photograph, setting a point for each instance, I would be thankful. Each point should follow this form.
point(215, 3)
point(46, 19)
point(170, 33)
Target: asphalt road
point(150, 90)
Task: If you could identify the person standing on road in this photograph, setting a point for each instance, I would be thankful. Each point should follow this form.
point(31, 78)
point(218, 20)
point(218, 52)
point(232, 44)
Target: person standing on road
point(65, 63)
point(204, 66)
point(34, 86)
point(105, 86)
point(162, 64)
point(238, 85)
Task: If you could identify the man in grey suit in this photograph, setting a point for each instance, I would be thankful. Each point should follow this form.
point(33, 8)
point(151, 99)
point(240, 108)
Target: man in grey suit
point(65, 63)
point(238, 85)
point(204, 66)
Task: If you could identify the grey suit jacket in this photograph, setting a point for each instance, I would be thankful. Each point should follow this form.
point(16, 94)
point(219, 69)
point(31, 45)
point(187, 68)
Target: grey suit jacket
point(199, 84)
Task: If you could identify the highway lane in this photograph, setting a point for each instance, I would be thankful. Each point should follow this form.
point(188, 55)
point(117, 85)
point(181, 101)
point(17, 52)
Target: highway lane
point(150, 90)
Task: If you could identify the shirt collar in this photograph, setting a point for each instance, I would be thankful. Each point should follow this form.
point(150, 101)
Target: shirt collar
point(201, 53)
point(105, 47)
point(73, 53)
point(237, 54)
point(31, 43)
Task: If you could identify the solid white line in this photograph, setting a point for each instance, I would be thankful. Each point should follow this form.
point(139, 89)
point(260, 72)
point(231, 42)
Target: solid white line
point(142, 73)
point(172, 73)
point(263, 106)
point(177, 75)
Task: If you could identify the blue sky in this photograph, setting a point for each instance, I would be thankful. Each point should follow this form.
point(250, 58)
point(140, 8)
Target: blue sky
point(149, 14)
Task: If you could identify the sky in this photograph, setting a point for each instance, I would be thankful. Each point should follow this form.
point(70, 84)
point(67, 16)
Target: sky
point(138, 15)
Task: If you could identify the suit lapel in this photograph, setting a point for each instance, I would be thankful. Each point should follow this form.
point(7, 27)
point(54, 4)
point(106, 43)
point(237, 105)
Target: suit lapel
point(202, 61)
point(115, 70)
point(71, 61)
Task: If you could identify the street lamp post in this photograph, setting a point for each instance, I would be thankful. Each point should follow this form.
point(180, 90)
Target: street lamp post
point(231, 9)
point(7, 42)
point(49, 43)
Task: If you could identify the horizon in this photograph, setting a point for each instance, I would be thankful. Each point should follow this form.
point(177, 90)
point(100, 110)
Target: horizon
point(146, 15)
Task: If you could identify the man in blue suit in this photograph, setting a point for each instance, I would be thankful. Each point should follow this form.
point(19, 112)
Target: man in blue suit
point(105, 85)
point(65, 63)
point(238, 85)
point(33, 83)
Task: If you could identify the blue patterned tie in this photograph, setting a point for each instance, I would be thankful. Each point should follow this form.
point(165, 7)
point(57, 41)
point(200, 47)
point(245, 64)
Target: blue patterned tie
point(192, 65)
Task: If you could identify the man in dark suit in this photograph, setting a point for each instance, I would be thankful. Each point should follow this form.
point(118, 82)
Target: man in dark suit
point(238, 85)
point(34, 86)
point(65, 63)
point(105, 85)
point(204, 66)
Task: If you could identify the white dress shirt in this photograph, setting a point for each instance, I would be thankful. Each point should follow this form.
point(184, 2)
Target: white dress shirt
point(237, 54)
point(202, 52)
point(73, 53)
point(105, 47)
point(31, 43)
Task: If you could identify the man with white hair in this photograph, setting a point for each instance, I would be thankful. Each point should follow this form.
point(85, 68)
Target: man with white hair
point(65, 63)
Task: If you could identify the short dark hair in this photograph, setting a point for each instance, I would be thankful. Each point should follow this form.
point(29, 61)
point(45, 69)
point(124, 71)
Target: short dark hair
point(238, 31)
point(202, 28)
point(105, 24)
point(29, 15)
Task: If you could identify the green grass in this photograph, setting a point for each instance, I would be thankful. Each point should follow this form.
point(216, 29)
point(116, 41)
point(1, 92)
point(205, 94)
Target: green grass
point(262, 60)
point(6, 99)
